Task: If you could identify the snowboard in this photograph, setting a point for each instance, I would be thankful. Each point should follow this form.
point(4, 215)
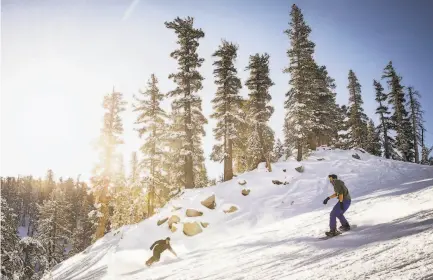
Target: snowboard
point(352, 227)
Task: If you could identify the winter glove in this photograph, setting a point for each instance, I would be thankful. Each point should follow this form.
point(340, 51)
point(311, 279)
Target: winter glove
point(326, 200)
point(341, 206)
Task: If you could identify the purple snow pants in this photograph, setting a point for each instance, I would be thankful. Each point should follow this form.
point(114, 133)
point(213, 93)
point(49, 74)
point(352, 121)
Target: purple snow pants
point(338, 213)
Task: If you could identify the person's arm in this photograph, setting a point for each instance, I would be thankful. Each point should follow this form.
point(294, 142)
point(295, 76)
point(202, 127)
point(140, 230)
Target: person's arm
point(334, 195)
point(153, 245)
point(172, 251)
point(340, 197)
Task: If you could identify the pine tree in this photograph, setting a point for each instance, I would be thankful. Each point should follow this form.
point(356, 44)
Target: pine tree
point(226, 105)
point(34, 258)
point(240, 148)
point(342, 134)
point(425, 152)
point(189, 82)
point(151, 121)
point(325, 128)
point(399, 119)
point(385, 124)
point(260, 110)
point(357, 121)
point(134, 178)
point(416, 117)
point(52, 229)
point(278, 151)
point(11, 262)
point(105, 171)
point(372, 143)
point(301, 99)
point(82, 234)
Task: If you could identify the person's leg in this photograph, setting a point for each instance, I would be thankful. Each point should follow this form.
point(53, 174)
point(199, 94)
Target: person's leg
point(340, 216)
point(333, 217)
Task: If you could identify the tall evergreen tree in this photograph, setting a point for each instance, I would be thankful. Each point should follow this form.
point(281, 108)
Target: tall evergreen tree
point(416, 117)
point(260, 110)
point(226, 105)
point(82, 234)
point(357, 121)
point(11, 262)
point(302, 97)
point(326, 111)
point(52, 230)
point(278, 151)
point(186, 100)
point(151, 120)
point(240, 149)
point(399, 119)
point(385, 124)
point(372, 142)
point(105, 171)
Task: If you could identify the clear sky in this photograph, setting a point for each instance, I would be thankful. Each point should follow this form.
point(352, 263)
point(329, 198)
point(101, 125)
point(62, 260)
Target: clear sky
point(59, 58)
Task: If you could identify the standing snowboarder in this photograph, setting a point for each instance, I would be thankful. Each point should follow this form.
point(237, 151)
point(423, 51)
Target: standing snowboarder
point(158, 247)
point(344, 200)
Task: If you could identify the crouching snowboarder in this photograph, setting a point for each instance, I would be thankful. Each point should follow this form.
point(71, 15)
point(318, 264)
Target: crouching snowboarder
point(344, 200)
point(158, 247)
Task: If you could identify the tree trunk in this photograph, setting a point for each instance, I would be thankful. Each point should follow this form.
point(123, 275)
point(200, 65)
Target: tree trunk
point(228, 161)
point(299, 146)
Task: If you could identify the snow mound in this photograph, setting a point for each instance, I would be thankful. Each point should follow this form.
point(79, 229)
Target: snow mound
point(274, 232)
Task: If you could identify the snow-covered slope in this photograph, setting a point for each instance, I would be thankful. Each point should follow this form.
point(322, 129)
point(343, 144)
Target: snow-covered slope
point(274, 233)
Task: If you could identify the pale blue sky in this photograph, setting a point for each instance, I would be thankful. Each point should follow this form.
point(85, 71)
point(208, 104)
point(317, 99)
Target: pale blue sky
point(59, 58)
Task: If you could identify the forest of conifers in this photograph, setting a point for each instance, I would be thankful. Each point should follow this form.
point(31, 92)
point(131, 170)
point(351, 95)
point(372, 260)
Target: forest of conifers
point(46, 220)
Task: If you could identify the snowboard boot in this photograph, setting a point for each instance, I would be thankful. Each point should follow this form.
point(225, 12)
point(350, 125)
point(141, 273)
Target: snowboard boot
point(344, 227)
point(333, 232)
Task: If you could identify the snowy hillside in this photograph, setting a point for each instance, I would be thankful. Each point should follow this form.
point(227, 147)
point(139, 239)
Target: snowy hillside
point(274, 232)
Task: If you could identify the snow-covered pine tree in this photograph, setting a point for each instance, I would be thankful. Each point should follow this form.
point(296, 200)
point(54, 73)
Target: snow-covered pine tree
point(425, 152)
point(278, 151)
point(151, 121)
point(104, 172)
point(325, 128)
point(11, 262)
point(186, 100)
point(399, 119)
point(416, 117)
point(240, 147)
point(174, 160)
point(260, 111)
point(226, 105)
point(52, 227)
point(357, 121)
point(82, 234)
point(372, 140)
point(301, 99)
point(34, 258)
point(385, 125)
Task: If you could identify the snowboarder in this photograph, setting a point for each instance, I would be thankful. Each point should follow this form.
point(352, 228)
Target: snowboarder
point(158, 247)
point(344, 200)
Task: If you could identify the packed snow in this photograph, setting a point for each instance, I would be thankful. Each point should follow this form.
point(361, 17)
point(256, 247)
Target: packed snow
point(275, 232)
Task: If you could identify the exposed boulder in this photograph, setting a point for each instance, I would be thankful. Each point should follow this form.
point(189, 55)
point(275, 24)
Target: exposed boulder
point(176, 208)
point(300, 169)
point(276, 182)
point(209, 202)
point(320, 159)
point(356, 156)
point(242, 182)
point(173, 220)
point(160, 222)
point(204, 225)
point(193, 213)
point(284, 170)
point(245, 192)
point(191, 229)
point(231, 210)
point(173, 228)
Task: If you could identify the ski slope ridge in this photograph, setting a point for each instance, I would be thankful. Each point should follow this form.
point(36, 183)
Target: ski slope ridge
point(274, 233)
